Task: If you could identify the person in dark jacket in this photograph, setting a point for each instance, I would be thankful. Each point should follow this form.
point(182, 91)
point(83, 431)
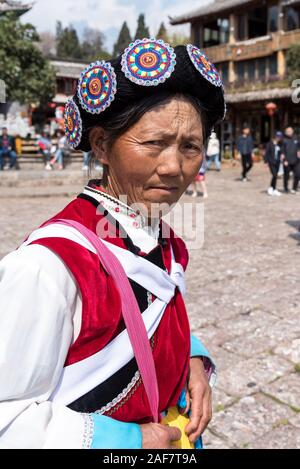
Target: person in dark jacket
point(272, 158)
point(245, 148)
point(291, 159)
point(7, 148)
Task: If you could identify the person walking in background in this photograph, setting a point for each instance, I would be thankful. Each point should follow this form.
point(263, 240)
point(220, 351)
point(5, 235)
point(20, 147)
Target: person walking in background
point(86, 160)
point(89, 162)
point(200, 183)
point(291, 160)
point(7, 149)
point(213, 151)
point(245, 148)
point(272, 158)
point(62, 149)
point(45, 145)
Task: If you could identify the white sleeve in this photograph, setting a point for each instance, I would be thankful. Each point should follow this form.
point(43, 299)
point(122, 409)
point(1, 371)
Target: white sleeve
point(38, 298)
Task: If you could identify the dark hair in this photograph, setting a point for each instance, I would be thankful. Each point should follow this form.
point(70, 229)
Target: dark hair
point(118, 123)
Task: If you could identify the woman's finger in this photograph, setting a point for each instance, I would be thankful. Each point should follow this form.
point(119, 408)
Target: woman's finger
point(205, 418)
point(196, 412)
point(174, 433)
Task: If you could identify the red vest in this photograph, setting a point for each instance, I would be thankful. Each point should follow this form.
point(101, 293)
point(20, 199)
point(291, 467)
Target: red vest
point(102, 316)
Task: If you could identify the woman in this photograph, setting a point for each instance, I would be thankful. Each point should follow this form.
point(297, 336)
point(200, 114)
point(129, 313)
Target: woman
point(213, 151)
point(272, 158)
point(61, 150)
point(65, 379)
point(44, 143)
point(200, 180)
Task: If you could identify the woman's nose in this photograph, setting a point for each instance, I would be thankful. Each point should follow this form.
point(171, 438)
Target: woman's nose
point(169, 163)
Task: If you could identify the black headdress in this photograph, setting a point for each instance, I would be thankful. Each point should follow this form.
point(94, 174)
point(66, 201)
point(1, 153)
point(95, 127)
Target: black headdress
point(146, 66)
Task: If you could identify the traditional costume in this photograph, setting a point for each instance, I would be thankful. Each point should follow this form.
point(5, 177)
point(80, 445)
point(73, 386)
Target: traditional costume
point(69, 377)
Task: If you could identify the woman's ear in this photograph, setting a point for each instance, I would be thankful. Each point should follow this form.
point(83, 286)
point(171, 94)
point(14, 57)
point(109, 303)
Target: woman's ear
point(98, 141)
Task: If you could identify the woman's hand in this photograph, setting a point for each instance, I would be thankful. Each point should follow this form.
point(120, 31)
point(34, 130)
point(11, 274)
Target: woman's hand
point(157, 436)
point(199, 400)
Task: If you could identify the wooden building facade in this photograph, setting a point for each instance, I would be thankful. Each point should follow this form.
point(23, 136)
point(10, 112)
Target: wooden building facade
point(248, 41)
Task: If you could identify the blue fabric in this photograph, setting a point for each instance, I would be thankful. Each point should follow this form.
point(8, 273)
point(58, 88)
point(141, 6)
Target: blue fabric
point(198, 349)
point(182, 400)
point(245, 144)
point(112, 434)
point(182, 403)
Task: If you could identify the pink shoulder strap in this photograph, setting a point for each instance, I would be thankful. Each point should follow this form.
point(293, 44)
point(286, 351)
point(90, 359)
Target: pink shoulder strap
point(131, 313)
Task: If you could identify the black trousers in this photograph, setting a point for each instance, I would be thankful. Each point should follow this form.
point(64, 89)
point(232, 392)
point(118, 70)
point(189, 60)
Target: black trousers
point(274, 168)
point(247, 163)
point(295, 169)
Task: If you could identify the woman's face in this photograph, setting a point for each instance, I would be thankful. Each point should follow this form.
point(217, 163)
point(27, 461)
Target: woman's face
point(156, 159)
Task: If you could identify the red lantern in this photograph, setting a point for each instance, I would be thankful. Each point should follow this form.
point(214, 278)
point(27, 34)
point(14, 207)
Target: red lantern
point(271, 109)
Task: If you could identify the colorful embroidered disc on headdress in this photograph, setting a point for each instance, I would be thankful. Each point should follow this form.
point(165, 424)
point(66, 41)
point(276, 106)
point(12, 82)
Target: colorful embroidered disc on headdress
point(203, 65)
point(97, 87)
point(73, 124)
point(148, 62)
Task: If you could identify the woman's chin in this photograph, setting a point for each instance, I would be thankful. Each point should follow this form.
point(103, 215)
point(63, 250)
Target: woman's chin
point(161, 195)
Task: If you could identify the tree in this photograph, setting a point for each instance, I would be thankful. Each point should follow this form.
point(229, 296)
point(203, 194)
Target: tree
point(59, 29)
point(293, 61)
point(68, 45)
point(178, 40)
point(47, 44)
point(28, 75)
point(92, 46)
point(142, 30)
point(162, 33)
point(123, 40)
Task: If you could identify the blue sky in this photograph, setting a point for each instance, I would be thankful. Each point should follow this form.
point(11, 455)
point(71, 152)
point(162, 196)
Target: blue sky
point(108, 15)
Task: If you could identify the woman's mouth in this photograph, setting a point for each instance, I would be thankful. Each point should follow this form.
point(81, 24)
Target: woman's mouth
point(164, 189)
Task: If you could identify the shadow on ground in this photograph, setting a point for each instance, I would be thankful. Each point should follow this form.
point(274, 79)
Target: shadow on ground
point(296, 225)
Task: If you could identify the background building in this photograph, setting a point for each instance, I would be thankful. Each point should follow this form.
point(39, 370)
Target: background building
point(248, 41)
point(10, 6)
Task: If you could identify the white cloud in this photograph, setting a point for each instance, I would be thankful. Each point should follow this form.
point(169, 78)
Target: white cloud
point(107, 15)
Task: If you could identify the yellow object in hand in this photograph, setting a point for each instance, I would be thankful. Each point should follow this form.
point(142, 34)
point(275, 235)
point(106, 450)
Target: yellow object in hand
point(175, 419)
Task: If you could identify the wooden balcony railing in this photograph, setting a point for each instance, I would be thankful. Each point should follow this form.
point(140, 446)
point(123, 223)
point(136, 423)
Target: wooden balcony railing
point(253, 48)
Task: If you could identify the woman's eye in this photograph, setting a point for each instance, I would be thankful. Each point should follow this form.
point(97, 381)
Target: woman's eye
point(153, 142)
point(191, 146)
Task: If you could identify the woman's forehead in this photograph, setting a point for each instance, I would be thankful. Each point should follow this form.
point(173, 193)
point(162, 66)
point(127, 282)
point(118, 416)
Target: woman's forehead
point(170, 115)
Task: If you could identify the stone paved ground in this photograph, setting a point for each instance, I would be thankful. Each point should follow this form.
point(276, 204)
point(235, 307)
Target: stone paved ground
point(243, 298)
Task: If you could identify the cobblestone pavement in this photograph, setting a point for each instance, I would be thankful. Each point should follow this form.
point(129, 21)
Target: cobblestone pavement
point(243, 300)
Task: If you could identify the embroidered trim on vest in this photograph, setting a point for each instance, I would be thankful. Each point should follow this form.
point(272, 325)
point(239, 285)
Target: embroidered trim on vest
point(88, 432)
point(130, 389)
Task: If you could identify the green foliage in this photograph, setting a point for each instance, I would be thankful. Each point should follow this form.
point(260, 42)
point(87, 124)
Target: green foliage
point(28, 75)
point(179, 39)
point(92, 46)
point(162, 33)
point(123, 40)
point(68, 45)
point(142, 30)
point(293, 61)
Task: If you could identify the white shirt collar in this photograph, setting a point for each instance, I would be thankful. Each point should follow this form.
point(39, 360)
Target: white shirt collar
point(134, 223)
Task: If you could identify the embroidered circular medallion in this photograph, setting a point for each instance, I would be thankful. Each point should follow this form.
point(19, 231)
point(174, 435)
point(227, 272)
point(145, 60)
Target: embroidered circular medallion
point(148, 62)
point(73, 124)
point(203, 65)
point(97, 87)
